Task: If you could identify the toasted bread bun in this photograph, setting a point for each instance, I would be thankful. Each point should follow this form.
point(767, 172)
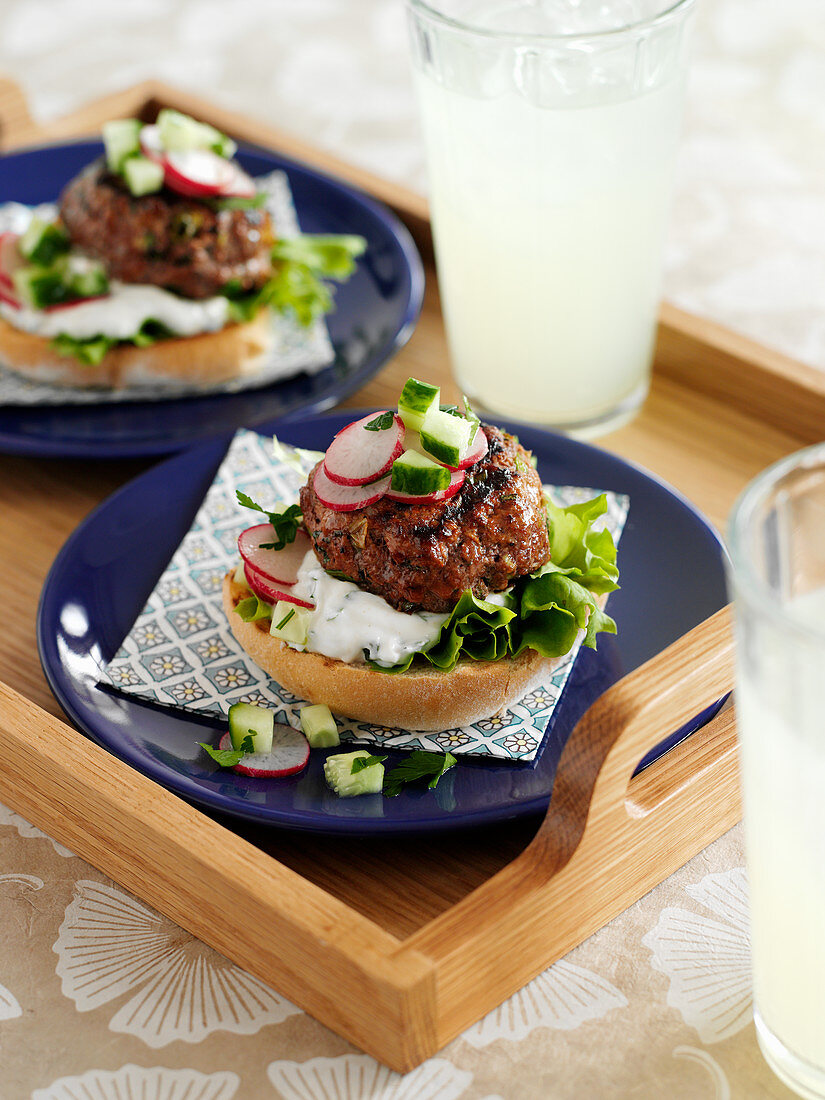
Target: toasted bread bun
point(420, 699)
point(203, 360)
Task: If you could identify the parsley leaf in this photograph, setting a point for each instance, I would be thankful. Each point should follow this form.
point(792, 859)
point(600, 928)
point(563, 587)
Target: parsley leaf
point(285, 523)
point(380, 423)
point(227, 758)
point(418, 765)
point(361, 762)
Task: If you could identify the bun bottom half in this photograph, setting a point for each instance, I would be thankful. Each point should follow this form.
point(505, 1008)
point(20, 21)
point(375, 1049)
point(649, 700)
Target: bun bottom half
point(420, 699)
point(207, 359)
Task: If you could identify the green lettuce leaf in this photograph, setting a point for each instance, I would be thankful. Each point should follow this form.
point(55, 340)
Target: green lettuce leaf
point(91, 349)
point(251, 609)
point(297, 287)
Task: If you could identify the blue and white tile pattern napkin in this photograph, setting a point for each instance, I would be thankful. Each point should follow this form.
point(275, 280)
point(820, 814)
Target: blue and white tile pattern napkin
point(181, 652)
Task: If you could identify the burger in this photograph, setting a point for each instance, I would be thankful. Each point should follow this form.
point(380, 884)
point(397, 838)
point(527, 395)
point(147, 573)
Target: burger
point(162, 264)
point(424, 580)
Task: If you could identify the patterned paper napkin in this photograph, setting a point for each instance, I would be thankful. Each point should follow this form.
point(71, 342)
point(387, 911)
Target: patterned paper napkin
point(181, 653)
point(294, 347)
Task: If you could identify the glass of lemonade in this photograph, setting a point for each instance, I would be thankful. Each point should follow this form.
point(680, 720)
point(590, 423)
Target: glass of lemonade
point(776, 539)
point(551, 129)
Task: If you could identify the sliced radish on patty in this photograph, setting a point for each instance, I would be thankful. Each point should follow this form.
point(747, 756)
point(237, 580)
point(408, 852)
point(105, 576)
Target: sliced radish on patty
point(347, 498)
point(198, 173)
point(359, 455)
point(151, 145)
point(477, 451)
point(74, 302)
point(280, 566)
point(438, 497)
point(290, 754)
point(269, 591)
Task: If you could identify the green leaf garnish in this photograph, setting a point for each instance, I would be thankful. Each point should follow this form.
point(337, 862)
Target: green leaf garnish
point(285, 619)
point(468, 411)
point(285, 522)
point(226, 758)
point(361, 762)
point(418, 765)
point(380, 423)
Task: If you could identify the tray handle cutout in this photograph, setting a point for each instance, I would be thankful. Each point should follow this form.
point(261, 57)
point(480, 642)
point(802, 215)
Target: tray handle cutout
point(596, 792)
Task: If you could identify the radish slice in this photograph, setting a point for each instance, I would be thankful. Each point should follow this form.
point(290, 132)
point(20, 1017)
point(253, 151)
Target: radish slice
point(280, 566)
point(198, 173)
point(151, 145)
point(290, 754)
point(357, 456)
point(9, 298)
point(456, 481)
point(240, 185)
point(266, 590)
point(74, 302)
point(477, 451)
point(347, 498)
point(10, 258)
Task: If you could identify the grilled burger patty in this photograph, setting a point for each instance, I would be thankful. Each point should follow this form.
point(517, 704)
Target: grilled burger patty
point(418, 557)
point(174, 242)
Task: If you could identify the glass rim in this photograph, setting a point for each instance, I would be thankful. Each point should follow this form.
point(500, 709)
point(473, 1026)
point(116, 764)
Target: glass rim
point(746, 579)
point(428, 8)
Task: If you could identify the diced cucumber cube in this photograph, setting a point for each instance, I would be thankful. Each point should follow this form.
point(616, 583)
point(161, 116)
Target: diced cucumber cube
point(179, 132)
point(248, 720)
point(290, 623)
point(346, 784)
point(239, 576)
point(143, 176)
point(43, 242)
point(418, 475)
point(319, 727)
point(446, 437)
point(86, 278)
point(121, 139)
point(416, 398)
point(39, 287)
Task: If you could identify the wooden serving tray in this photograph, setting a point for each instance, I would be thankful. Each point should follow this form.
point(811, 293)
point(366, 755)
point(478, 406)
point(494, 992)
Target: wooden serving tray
point(399, 945)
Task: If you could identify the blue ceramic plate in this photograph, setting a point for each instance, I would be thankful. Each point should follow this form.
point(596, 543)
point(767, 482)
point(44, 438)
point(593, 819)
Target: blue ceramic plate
point(671, 575)
point(374, 316)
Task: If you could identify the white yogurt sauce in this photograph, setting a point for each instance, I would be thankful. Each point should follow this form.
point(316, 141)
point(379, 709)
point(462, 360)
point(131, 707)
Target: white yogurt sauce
point(347, 621)
point(120, 315)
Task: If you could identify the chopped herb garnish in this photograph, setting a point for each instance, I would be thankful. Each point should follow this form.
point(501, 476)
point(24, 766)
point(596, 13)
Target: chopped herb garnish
point(418, 765)
point(361, 762)
point(380, 423)
point(285, 619)
point(337, 575)
point(453, 410)
point(228, 758)
point(468, 411)
point(285, 523)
